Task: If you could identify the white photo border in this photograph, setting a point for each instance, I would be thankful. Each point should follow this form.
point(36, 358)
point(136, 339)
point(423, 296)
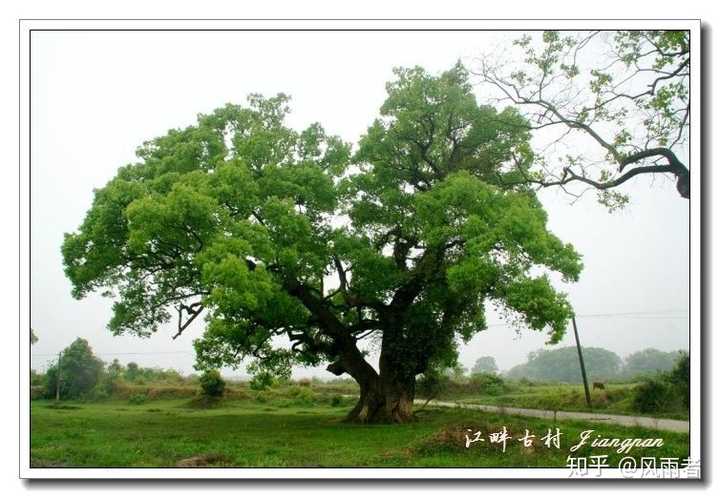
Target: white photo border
point(25, 28)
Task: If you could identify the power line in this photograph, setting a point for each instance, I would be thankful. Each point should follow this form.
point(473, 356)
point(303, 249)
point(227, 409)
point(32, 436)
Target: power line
point(634, 315)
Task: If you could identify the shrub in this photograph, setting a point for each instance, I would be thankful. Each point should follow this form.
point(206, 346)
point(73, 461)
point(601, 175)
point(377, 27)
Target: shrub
point(212, 384)
point(679, 377)
point(106, 385)
point(335, 401)
point(651, 396)
point(261, 381)
point(36, 379)
point(524, 381)
point(304, 394)
point(488, 383)
point(100, 392)
point(137, 399)
point(665, 391)
point(431, 383)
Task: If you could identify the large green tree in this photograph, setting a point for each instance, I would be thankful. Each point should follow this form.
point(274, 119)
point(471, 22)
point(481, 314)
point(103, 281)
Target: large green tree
point(270, 232)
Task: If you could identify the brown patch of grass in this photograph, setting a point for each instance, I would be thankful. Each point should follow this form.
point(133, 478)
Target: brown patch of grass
point(204, 460)
point(599, 398)
point(204, 402)
point(44, 463)
point(57, 406)
point(236, 394)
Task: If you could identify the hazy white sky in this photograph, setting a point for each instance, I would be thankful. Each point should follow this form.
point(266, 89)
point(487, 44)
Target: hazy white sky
point(96, 96)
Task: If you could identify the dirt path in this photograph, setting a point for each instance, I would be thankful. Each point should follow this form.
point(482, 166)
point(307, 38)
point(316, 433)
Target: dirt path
point(664, 424)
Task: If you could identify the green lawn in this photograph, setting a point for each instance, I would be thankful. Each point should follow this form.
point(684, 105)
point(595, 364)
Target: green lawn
point(298, 433)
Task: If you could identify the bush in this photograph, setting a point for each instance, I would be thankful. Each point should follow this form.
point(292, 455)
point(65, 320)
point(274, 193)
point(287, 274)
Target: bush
point(262, 381)
point(431, 383)
point(652, 396)
point(137, 399)
point(488, 383)
point(99, 393)
point(665, 391)
point(524, 381)
point(304, 394)
point(679, 377)
point(335, 401)
point(36, 379)
point(106, 385)
point(212, 384)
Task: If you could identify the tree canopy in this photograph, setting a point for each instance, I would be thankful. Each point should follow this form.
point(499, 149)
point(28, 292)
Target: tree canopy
point(79, 370)
point(625, 92)
point(271, 232)
point(485, 364)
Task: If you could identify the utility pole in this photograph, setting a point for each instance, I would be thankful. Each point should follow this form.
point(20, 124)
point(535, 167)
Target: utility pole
point(57, 378)
point(582, 363)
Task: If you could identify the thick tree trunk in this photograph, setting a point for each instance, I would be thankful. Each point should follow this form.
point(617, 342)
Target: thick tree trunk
point(398, 399)
point(385, 401)
point(368, 407)
point(384, 398)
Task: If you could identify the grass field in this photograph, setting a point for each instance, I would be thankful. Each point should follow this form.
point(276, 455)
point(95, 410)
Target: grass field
point(297, 432)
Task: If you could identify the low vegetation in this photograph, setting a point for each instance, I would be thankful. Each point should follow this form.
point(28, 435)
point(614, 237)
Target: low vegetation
point(297, 426)
point(665, 391)
point(212, 384)
point(652, 388)
point(210, 421)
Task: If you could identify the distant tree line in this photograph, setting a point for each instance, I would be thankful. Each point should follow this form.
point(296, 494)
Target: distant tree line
point(562, 365)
